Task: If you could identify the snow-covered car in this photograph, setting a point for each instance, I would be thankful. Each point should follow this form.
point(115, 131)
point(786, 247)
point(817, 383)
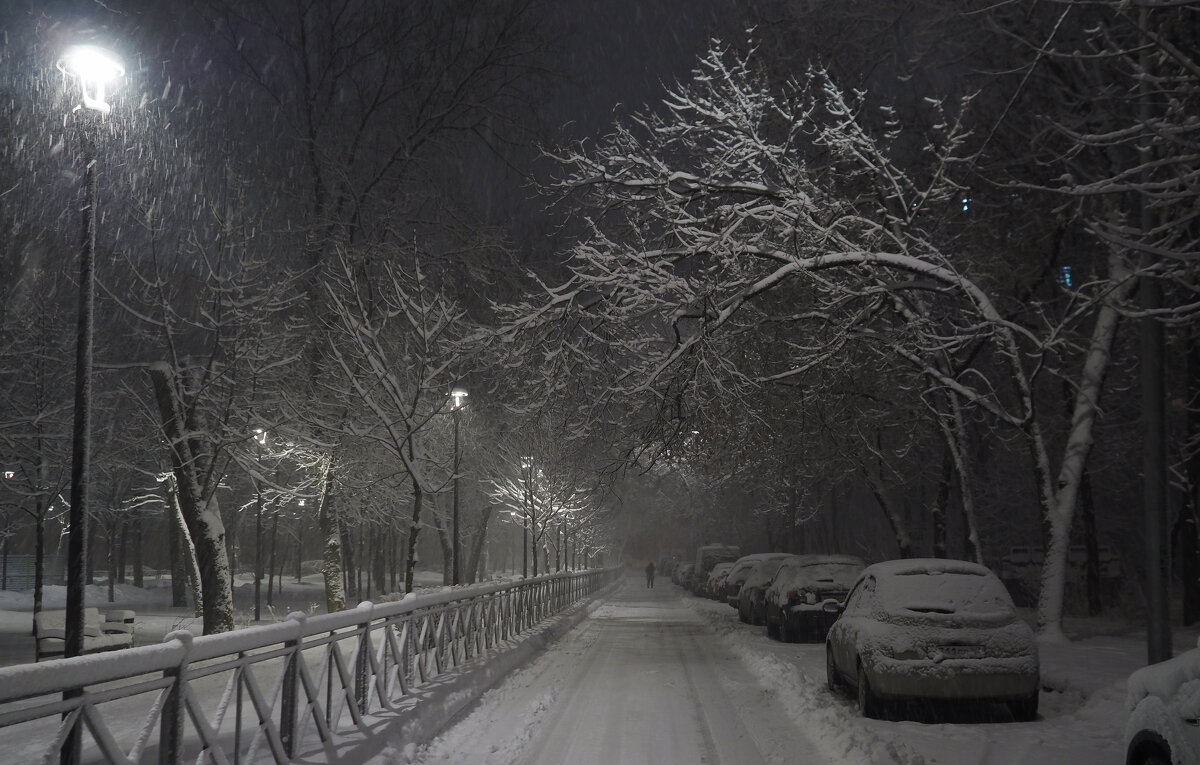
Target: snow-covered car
point(708, 556)
point(806, 595)
point(932, 629)
point(683, 576)
point(741, 569)
point(1164, 707)
point(750, 596)
point(715, 585)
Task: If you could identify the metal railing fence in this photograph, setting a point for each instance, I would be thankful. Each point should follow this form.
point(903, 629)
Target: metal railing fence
point(267, 693)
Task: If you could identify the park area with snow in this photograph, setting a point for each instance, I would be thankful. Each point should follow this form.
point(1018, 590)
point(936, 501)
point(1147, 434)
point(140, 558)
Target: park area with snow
point(659, 676)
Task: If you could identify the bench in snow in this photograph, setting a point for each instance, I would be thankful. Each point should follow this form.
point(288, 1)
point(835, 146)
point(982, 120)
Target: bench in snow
point(115, 632)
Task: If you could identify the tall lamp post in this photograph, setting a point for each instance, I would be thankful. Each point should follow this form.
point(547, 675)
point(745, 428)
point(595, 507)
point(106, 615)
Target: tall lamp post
point(260, 438)
point(92, 68)
point(458, 394)
point(527, 475)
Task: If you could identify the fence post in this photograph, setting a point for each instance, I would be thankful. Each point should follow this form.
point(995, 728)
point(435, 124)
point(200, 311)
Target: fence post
point(170, 725)
point(291, 687)
point(362, 663)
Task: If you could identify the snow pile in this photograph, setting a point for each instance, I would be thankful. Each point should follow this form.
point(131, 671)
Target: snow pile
point(842, 736)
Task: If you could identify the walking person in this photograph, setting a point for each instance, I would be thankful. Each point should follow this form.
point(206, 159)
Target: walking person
point(650, 574)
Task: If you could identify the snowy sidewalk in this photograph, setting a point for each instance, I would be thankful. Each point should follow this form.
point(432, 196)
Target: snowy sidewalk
point(643, 680)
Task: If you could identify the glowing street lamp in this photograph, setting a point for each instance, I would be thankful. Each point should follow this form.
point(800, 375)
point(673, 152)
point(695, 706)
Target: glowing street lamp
point(92, 68)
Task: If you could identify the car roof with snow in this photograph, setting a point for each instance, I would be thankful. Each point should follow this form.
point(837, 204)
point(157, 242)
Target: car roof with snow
point(745, 564)
point(932, 586)
point(818, 559)
point(904, 566)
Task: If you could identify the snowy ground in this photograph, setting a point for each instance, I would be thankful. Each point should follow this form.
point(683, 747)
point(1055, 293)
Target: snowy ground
point(657, 676)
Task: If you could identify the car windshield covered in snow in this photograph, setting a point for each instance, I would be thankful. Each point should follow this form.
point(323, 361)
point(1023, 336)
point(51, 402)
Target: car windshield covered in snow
point(949, 592)
point(764, 571)
point(827, 575)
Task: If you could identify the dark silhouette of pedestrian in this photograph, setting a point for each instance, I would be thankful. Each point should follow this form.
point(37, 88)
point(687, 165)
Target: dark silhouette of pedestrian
point(650, 574)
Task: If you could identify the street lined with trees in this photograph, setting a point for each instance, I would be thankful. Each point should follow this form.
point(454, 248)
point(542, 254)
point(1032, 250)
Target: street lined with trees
point(888, 281)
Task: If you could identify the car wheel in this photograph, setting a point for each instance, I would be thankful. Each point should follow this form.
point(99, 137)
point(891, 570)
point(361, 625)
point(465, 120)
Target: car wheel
point(833, 680)
point(868, 705)
point(1025, 710)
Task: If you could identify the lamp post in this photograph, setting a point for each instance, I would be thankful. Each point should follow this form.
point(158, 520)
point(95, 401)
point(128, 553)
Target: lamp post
point(260, 438)
point(458, 394)
point(527, 516)
point(92, 68)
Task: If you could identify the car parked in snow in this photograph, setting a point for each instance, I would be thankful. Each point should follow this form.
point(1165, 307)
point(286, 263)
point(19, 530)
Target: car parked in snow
point(1164, 705)
point(683, 575)
point(932, 629)
point(750, 595)
point(806, 595)
point(715, 586)
point(708, 556)
point(741, 569)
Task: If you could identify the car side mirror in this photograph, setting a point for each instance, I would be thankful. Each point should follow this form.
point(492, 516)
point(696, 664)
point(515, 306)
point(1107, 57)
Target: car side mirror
point(832, 607)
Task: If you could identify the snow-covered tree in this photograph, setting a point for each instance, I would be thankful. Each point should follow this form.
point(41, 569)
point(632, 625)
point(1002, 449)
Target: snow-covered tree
point(739, 206)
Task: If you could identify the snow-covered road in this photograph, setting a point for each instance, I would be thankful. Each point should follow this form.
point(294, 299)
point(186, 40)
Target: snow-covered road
point(644, 680)
point(657, 676)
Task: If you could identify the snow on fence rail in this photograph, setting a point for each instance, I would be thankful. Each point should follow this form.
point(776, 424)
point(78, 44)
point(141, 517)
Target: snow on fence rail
point(269, 693)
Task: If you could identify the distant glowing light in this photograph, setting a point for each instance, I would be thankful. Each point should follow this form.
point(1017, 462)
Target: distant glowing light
point(966, 204)
point(1065, 278)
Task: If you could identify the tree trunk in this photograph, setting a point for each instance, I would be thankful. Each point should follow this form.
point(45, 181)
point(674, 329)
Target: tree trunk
point(1189, 538)
point(394, 542)
point(380, 540)
point(349, 564)
point(957, 441)
point(194, 578)
point(331, 533)
point(112, 554)
point(473, 572)
point(941, 505)
point(1058, 498)
point(176, 542)
point(201, 513)
point(39, 555)
point(899, 531)
point(139, 571)
point(92, 533)
point(444, 541)
point(123, 552)
point(1087, 509)
point(271, 562)
point(299, 551)
point(413, 529)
